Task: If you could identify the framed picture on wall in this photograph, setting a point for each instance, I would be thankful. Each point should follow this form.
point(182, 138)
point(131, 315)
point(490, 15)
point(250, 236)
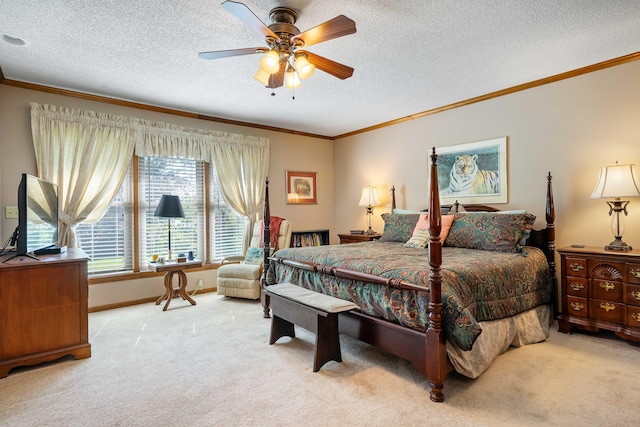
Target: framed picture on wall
point(301, 188)
point(473, 173)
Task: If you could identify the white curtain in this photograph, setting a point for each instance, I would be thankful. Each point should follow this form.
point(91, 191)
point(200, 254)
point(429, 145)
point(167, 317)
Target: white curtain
point(87, 155)
point(242, 170)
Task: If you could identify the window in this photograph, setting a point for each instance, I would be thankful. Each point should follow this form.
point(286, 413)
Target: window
point(111, 243)
point(181, 177)
point(227, 228)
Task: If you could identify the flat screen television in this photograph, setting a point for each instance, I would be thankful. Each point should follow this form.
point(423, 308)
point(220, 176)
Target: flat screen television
point(37, 216)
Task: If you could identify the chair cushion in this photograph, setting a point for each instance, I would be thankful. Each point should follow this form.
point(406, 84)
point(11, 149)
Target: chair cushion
point(240, 271)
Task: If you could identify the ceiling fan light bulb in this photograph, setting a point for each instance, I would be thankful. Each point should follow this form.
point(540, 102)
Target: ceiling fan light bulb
point(304, 67)
point(270, 62)
point(262, 76)
point(292, 79)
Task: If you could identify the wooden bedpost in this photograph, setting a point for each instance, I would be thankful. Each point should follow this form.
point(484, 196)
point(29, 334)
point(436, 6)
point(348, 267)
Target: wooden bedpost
point(393, 198)
point(266, 234)
point(436, 368)
point(551, 242)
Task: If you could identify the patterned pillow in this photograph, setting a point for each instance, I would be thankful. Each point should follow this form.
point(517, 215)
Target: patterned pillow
point(398, 227)
point(254, 256)
point(419, 239)
point(490, 231)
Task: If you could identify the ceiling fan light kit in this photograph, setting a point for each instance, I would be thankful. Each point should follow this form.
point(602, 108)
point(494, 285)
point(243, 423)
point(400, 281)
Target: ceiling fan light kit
point(285, 63)
point(270, 62)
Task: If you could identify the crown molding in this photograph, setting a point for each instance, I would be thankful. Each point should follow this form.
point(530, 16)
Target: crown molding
point(536, 83)
point(562, 76)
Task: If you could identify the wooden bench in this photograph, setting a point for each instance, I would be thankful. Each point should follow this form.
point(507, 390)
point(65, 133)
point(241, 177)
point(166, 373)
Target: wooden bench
point(318, 313)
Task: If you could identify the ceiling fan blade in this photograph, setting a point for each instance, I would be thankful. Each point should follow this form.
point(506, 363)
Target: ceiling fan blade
point(243, 13)
point(233, 52)
point(328, 66)
point(334, 28)
point(277, 79)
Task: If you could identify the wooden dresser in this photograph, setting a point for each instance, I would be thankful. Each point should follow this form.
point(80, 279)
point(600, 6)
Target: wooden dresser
point(355, 238)
point(43, 309)
point(600, 290)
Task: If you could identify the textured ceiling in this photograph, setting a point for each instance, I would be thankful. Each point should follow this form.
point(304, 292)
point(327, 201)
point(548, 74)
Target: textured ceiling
point(409, 56)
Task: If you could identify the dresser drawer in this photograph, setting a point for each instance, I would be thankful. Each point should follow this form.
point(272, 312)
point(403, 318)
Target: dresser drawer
point(606, 310)
point(606, 270)
point(608, 290)
point(577, 306)
point(578, 286)
point(632, 294)
point(633, 316)
point(633, 273)
point(576, 267)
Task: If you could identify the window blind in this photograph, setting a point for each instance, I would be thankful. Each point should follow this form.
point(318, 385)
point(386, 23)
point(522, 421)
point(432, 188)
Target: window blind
point(108, 242)
point(173, 176)
point(227, 228)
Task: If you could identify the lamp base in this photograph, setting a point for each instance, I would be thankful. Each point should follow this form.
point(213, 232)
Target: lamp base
point(618, 245)
point(370, 231)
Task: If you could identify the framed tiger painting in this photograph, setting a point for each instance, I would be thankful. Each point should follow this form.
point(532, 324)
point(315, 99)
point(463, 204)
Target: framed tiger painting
point(473, 173)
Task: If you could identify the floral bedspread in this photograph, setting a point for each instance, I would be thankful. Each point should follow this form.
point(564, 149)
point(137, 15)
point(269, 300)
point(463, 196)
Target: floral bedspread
point(477, 285)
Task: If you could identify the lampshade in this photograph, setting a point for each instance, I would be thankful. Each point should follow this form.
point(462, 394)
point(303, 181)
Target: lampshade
point(304, 67)
point(617, 181)
point(292, 80)
point(169, 207)
point(262, 76)
point(369, 197)
point(270, 62)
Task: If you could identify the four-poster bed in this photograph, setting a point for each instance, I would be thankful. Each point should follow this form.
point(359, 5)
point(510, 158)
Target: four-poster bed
point(420, 319)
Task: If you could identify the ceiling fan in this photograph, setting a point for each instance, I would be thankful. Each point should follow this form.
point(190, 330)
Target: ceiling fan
point(284, 54)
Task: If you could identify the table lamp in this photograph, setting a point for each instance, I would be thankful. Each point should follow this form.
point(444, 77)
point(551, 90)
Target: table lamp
point(169, 207)
point(369, 199)
point(616, 182)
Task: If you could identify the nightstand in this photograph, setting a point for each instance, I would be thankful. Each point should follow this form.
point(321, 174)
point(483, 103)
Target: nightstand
point(355, 238)
point(600, 290)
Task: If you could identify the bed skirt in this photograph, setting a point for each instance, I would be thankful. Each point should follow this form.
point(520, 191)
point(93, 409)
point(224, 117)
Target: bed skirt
point(497, 336)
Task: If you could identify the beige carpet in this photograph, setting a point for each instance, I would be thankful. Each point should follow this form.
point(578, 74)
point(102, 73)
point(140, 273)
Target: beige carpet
point(211, 364)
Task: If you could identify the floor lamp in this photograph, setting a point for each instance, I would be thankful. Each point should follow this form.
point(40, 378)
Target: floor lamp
point(169, 207)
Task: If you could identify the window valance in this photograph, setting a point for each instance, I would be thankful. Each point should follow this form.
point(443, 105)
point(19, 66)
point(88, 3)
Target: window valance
point(154, 138)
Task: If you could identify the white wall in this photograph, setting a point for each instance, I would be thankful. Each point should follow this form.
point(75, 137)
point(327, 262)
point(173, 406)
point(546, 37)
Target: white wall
point(287, 152)
point(570, 128)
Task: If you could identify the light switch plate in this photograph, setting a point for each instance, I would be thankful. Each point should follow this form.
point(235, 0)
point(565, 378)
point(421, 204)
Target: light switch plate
point(11, 212)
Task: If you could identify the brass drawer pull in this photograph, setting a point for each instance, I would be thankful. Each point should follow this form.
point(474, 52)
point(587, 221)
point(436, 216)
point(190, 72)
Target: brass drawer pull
point(575, 266)
point(636, 272)
point(636, 316)
point(607, 306)
point(607, 286)
point(636, 295)
point(576, 286)
point(577, 306)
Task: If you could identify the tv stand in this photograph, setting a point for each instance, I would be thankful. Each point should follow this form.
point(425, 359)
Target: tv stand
point(43, 309)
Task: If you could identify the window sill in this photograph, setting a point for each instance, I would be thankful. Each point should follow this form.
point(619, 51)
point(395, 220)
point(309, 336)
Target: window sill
point(119, 277)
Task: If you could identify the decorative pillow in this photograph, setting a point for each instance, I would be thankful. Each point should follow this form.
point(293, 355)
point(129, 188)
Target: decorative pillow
point(419, 239)
point(404, 211)
point(490, 231)
point(398, 227)
point(254, 256)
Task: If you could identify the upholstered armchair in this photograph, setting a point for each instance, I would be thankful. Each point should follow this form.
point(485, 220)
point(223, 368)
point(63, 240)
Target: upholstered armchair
point(242, 279)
